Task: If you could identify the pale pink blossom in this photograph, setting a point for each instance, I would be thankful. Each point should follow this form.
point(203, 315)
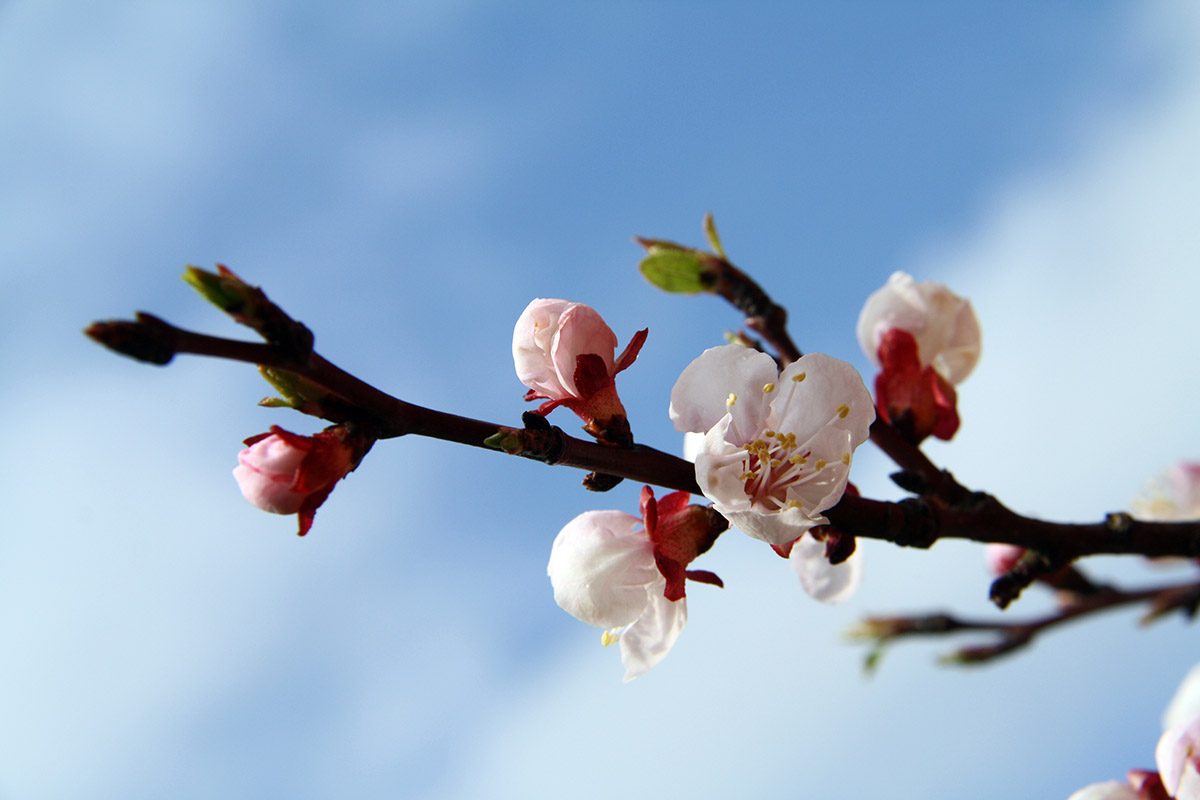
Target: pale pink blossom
point(563, 352)
point(1174, 495)
point(285, 473)
point(942, 323)
point(1001, 558)
point(829, 583)
point(626, 574)
point(1178, 759)
point(777, 446)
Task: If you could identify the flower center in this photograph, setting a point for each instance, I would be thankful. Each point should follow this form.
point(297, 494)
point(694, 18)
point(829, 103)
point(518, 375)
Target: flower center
point(773, 464)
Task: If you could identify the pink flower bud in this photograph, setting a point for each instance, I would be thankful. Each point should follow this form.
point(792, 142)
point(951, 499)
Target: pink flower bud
point(285, 473)
point(1001, 558)
point(563, 352)
point(943, 324)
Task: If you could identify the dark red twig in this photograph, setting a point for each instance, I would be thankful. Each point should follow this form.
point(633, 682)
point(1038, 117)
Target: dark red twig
point(1012, 636)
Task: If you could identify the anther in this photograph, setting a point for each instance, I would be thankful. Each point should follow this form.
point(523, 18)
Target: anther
point(799, 376)
point(768, 388)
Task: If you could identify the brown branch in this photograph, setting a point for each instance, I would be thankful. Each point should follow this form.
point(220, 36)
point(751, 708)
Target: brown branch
point(916, 522)
point(1012, 636)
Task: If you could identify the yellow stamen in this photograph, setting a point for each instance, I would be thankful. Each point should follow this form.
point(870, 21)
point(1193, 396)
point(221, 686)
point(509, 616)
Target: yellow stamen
point(820, 465)
point(768, 388)
point(731, 401)
point(798, 459)
point(799, 377)
point(843, 410)
point(846, 459)
point(609, 638)
point(794, 504)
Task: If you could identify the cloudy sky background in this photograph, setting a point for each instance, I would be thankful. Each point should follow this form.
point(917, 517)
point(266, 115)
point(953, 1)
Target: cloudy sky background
point(404, 178)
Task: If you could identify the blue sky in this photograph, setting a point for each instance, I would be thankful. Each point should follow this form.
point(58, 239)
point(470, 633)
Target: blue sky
point(404, 178)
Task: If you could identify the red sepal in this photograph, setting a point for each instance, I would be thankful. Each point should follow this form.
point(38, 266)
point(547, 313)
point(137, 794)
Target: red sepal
point(630, 353)
point(591, 375)
point(916, 400)
point(785, 550)
point(1148, 784)
point(704, 576)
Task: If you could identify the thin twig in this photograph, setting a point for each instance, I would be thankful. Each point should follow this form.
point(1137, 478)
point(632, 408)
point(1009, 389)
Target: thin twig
point(1011, 636)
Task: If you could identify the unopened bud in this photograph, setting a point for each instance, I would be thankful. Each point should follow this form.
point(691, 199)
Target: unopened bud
point(147, 338)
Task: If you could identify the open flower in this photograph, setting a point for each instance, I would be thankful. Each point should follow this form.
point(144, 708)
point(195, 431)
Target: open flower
point(777, 446)
point(563, 352)
point(626, 575)
point(1172, 496)
point(925, 339)
point(285, 473)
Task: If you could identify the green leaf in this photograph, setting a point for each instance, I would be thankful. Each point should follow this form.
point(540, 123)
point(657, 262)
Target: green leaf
point(295, 390)
point(678, 271)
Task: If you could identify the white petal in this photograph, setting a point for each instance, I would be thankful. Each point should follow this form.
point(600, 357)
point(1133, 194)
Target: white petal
point(829, 583)
point(693, 445)
point(944, 324)
point(718, 470)
point(1177, 747)
point(727, 379)
point(815, 392)
point(1185, 705)
point(1189, 784)
point(600, 565)
point(532, 337)
point(648, 640)
point(581, 330)
point(1108, 790)
point(778, 527)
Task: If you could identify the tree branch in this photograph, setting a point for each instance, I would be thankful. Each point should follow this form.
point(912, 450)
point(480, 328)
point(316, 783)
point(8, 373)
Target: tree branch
point(915, 522)
point(1012, 636)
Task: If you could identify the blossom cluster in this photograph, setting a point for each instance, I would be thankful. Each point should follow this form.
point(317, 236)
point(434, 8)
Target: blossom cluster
point(773, 446)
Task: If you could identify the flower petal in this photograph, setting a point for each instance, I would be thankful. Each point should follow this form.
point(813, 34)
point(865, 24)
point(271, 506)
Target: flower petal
point(775, 528)
point(600, 564)
point(648, 640)
point(581, 331)
point(727, 379)
point(1177, 748)
point(826, 582)
point(944, 324)
point(532, 337)
point(818, 391)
